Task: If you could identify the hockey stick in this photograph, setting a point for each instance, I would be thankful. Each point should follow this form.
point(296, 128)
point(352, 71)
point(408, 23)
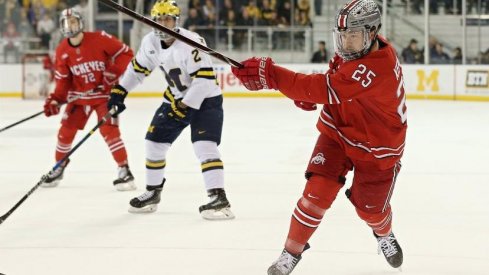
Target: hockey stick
point(166, 30)
point(57, 165)
point(36, 114)
point(20, 121)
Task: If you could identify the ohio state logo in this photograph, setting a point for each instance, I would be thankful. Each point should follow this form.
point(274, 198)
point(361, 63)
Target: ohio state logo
point(318, 159)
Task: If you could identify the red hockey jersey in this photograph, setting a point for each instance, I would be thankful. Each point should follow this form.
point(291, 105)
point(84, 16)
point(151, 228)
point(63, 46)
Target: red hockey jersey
point(79, 69)
point(364, 101)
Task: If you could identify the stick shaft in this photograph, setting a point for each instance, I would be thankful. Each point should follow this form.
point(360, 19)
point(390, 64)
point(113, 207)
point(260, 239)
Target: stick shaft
point(56, 166)
point(166, 30)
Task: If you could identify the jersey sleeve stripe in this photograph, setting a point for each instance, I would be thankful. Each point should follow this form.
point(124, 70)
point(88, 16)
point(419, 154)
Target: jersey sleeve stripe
point(168, 95)
point(140, 69)
point(333, 98)
point(123, 49)
point(58, 75)
point(207, 73)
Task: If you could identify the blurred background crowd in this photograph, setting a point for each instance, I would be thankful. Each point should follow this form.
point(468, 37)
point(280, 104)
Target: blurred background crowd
point(297, 28)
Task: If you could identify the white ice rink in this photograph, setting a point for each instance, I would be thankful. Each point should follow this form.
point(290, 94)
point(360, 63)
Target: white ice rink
point(441, 207)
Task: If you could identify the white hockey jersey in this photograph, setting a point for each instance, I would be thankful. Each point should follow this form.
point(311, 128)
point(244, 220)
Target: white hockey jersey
point(189, 72)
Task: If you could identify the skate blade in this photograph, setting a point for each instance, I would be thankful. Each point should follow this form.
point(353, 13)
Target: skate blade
point(50, 184)
point(146, 209)
point(216, 215)
point(126, 186)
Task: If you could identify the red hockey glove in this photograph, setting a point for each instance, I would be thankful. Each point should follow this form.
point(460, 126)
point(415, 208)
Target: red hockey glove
point(256, 74)
point(306, 106)
point(52, 105)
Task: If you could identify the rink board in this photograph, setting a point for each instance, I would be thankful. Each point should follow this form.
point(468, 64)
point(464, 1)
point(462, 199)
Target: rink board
point(452, 82)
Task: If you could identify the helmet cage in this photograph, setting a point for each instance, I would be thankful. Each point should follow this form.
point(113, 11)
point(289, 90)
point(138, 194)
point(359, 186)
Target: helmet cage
point(340, 47)
point(162, 9)
point(65, 26)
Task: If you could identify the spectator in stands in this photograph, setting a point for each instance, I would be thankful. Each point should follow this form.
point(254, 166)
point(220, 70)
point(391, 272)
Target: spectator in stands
point(224, 12)
point(411, 54)
point(457, 56)
point(284, 13)
point(230, 21)
point(484, 57)
point(44, 29)
point(304, 6)
point(11, 41)
point(318, 7)
point(193, 20)
point(438, 56)
point(209, 9)
point(209, 33)
point(82, 8)
point(253, 10)
point(35, 12)
point(321, 55)
point(25, 28)
point(245, 19)
point(195, 4)
point(267, 14)
point(12, 12)
point(50, 5)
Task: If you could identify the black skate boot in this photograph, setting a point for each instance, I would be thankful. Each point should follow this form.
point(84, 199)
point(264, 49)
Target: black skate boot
point(218, 208)
point(125, 180)
point(391, 249)
point(286, 262)
point(54, 177)
point(148, 201)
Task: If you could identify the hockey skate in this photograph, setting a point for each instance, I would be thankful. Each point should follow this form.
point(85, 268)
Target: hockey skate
point(125, 180)
point(218, 208)
point(148, 201)
point(54, 177)
point(285, 263)
point(391, 249)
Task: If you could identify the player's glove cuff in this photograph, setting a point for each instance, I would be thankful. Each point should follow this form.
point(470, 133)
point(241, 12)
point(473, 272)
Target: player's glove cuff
point(256, 73)
point(178, 111)
point(117, 96)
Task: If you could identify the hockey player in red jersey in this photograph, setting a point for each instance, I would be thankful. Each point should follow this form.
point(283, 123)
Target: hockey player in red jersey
point(87, 64)
point(362, 127)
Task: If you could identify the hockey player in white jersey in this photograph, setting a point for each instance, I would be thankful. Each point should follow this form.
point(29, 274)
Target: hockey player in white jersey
point(193, 97)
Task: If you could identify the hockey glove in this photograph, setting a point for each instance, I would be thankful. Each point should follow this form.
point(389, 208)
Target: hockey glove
point(117, 96)
point(306, 106)
point(52, 105)
point(179, 110)
point(256, 74)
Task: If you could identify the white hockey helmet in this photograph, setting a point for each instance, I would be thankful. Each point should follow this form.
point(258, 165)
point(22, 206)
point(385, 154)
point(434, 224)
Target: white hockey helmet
point(65, 25)
point(164, 8)
point(357, 19)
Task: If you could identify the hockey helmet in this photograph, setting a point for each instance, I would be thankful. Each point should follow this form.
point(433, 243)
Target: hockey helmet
point(353, 26)
point(164, 8)
point(66, 25)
